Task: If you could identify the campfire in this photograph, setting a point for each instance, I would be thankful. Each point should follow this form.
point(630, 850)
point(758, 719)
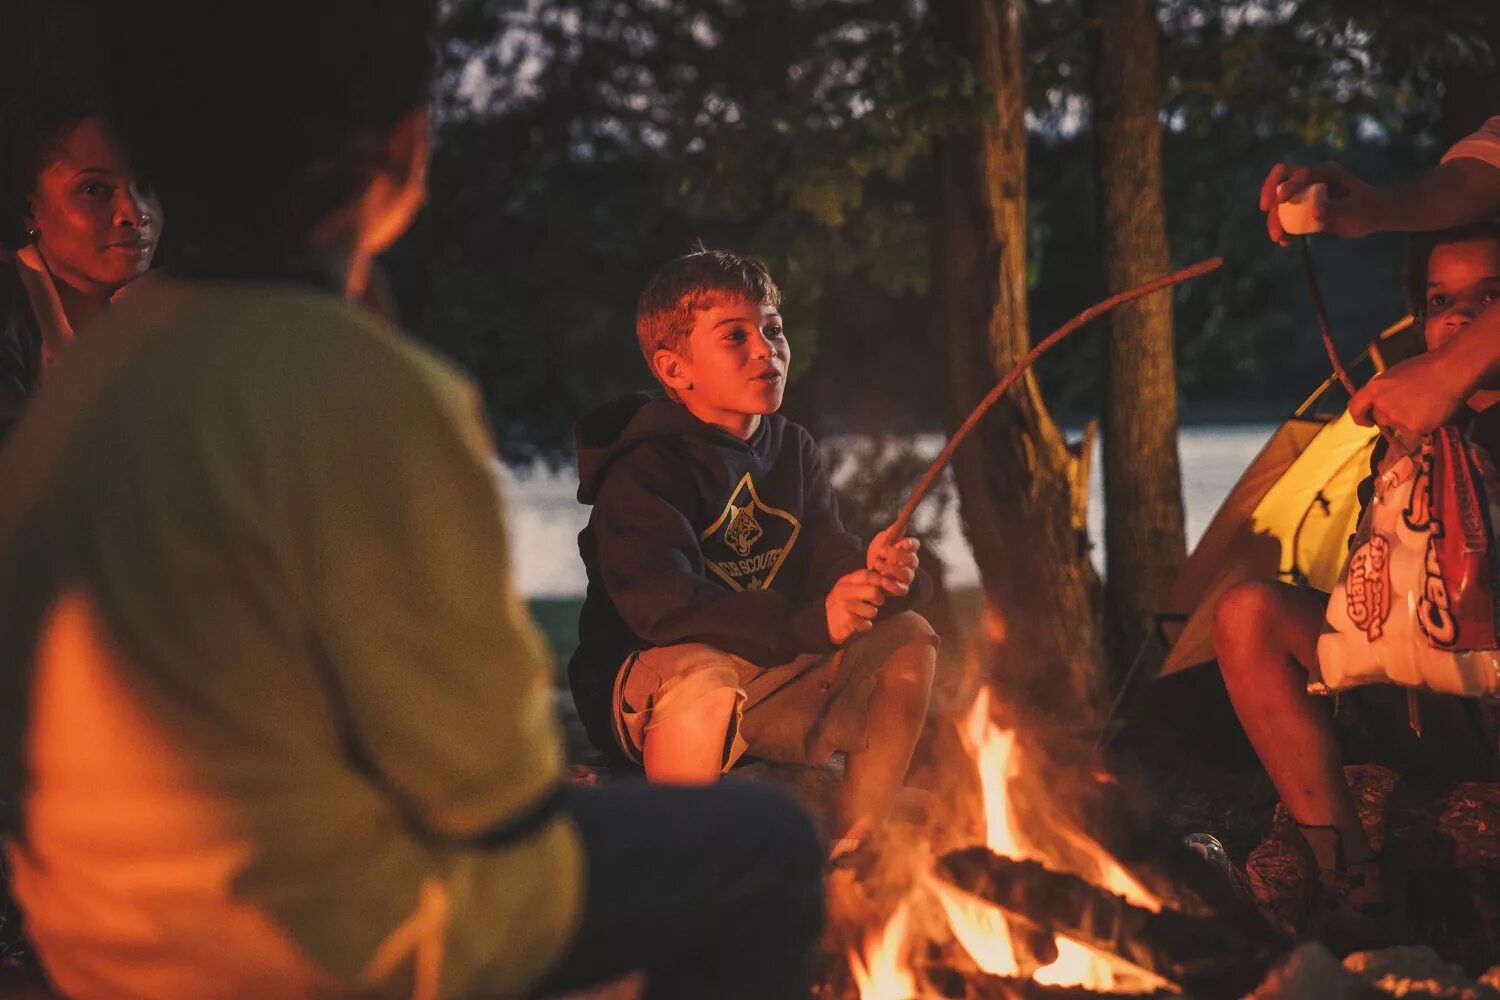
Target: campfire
point(1036, 904)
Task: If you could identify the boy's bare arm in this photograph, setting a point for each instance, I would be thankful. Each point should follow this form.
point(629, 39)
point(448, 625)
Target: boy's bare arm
point(1419, 395)
point(1456, 193)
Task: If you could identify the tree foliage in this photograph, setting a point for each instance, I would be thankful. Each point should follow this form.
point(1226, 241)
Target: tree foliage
point(583, 142)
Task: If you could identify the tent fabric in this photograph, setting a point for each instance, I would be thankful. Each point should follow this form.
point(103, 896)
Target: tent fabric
point(1288, 517)
point(1290, 514)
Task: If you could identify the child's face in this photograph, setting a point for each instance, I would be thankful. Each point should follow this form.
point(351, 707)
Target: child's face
point(737, 359)
point(1463, 280)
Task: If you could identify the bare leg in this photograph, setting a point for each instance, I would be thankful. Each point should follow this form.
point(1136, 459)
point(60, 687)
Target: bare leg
point(898, 710)
point(689, 749)
point(1266, 636)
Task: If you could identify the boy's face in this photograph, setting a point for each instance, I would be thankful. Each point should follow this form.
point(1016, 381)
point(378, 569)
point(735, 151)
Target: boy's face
point(736, 361)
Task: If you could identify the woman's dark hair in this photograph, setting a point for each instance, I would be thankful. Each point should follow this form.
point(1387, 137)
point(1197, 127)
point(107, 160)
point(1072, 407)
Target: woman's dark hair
point(1419, 250)
point(33, 125)
point(254, 121)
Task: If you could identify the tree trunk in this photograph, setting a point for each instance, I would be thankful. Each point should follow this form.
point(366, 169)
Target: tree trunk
point(1013, 479)
point(1143, 521)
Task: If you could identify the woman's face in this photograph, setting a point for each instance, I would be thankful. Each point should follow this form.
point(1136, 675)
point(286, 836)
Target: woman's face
point(97, 226)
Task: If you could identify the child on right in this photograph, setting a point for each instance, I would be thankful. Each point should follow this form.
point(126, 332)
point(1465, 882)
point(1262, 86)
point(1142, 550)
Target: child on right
point(1416, 396)
point(1266, 632)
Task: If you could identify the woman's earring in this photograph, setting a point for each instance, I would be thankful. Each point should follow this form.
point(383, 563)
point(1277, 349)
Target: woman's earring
point(32, 232)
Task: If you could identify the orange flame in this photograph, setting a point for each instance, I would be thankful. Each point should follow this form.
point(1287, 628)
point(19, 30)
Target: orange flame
point(1079, 965)
point(1076, 965)
point(981, 928)
point(999, 762)
point(883, 973)
point(994, 754)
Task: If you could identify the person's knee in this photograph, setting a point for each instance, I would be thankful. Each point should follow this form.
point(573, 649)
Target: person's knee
point(709, 711)
point(1248, 614)
point(913, 658)
point(690, 735)
point(907, 628)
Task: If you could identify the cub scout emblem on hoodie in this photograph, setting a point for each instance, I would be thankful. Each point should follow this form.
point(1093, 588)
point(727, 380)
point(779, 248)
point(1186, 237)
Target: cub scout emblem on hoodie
point(746, 547)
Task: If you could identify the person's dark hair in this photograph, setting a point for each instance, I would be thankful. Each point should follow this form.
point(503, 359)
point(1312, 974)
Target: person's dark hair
point(664, 314)
point(33, 125)
point(1419, 251)
point(255, 121)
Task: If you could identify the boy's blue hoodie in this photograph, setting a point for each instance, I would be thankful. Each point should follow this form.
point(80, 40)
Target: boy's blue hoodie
point(697, 536)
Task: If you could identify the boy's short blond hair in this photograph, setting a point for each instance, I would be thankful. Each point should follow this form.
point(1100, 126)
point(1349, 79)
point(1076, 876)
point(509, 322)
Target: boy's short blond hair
point(666, 310)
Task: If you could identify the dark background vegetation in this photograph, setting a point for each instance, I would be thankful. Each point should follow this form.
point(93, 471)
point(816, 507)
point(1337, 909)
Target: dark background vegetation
point(584, 142)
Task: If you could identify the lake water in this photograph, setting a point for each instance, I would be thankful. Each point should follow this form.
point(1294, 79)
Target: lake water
point(545, 516)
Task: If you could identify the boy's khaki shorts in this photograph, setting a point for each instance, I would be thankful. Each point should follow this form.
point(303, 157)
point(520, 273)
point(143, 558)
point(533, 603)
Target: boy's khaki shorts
point(782, 713)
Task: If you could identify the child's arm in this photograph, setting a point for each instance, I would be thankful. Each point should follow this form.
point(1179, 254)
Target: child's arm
point(652, 567)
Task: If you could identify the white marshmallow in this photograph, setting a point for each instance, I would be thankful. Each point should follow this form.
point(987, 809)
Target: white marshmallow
point(1298, 214)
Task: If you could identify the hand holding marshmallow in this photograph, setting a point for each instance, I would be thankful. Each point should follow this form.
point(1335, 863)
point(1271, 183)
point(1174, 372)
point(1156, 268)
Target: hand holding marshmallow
point(1319, 199)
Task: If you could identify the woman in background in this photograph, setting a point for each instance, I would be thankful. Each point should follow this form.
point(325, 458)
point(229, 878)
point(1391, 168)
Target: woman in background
point(76, 227)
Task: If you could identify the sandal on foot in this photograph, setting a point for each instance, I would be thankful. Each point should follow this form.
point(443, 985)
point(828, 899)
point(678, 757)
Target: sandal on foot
point(1357, 905)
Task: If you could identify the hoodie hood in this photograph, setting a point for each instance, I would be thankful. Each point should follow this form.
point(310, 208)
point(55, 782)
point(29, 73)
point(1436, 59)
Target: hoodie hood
point(608, 431)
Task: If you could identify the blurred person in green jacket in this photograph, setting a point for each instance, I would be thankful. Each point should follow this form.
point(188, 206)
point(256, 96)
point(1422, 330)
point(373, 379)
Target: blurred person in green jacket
point(276, 723)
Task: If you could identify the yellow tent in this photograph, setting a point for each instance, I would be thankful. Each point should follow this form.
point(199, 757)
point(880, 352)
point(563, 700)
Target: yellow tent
point(1288, 517)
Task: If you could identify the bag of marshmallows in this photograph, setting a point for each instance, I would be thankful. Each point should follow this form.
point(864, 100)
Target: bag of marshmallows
point(1415, 604)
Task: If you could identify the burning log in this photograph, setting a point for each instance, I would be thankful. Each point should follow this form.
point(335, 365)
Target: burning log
point(952, 986)
point(1192, 952)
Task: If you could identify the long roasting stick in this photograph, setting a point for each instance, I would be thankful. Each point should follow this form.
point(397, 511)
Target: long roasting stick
point(1396, 448)
point(1093, 312)
point(1322, 314)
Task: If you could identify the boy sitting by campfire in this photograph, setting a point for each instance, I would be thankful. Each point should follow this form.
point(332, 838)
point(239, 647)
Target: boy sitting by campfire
point(728, 611)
